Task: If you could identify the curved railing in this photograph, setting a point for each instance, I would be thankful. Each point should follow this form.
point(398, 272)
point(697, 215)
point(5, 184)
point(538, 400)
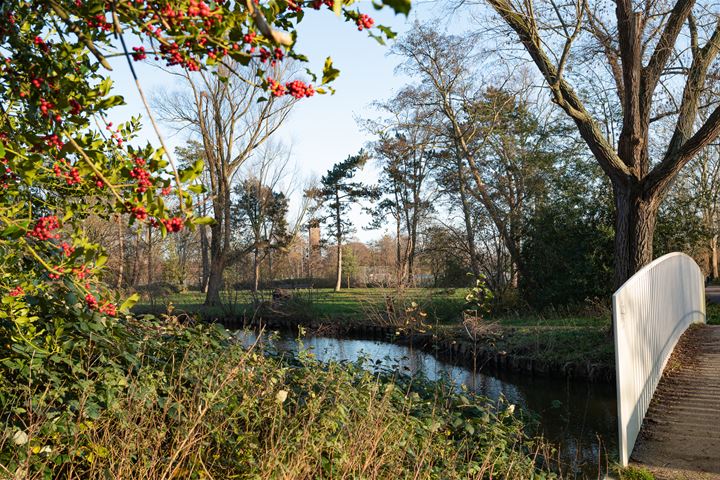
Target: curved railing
point(650, 313)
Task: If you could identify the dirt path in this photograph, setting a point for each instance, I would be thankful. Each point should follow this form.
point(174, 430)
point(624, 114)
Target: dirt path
point(680, 438)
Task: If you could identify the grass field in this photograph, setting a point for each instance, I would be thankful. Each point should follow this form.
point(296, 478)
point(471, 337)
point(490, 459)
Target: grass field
point(443, 305)
point(556, 336)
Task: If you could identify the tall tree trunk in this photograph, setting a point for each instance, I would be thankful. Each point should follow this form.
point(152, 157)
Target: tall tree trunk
point(217, 266)
point(714, 259)
point(338, 266)
point(219, 242)
point(338, 237)
point(398, 256)
point(215, 281)
point(135, 279)
point(634, 230)
point(205, 258)
point(256, 271)
point(467, 217)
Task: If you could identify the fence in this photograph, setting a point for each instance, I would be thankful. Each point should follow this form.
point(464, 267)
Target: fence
point(650, 313)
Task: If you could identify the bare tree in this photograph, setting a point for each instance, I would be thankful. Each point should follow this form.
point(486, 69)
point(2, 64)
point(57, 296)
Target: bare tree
point(660, 57)
point(406, 152)
point(229, 116)
point(495, 146)
point(260, 207)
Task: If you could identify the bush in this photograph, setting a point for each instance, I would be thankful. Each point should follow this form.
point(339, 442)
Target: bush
point(632, 472)
point(712, 312)
point(568, 258)
point(188, 402)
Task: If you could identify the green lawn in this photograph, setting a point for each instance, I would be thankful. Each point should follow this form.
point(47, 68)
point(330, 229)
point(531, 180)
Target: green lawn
point(443, 305)
point(557, 337)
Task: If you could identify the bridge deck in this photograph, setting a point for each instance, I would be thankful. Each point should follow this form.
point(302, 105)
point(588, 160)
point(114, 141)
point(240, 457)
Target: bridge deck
point(680, 438)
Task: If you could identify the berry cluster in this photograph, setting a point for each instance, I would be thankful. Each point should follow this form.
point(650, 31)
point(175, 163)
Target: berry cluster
point(139, 212)
point(115, 134)
point(67, 249)
point(298, 89)
point(276, 88)
point(99, 21)
point(82, 272)
point(17, 292)
point(75, 107)
point(46, 107)
point(8, 175)
point(139, 54)
point(198, 9)
point(173, 225)
point(55, 276)
point(364, 21)
point(249, 37)
point(141, 175)
point(91, 301)
point(316, 4)
point(41, 44)
point(108, 309)
point(72, 177)
point(53, 141)
point(44, 226)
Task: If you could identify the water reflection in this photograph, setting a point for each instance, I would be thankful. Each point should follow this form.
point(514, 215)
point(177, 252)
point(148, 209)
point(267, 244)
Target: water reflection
point(580, 418)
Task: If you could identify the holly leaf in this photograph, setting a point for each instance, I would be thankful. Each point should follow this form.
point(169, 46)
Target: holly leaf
point(387, 31)
point(129, 303)
point(399, 6)
point(197, 188)
point(203, 221)
point(330, 73)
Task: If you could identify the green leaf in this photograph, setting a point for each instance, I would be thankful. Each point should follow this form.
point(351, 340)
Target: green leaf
point(311, 74)
point(129, 303)
point(203, 220)
point(387, 31)
point(101, 260)
point(2, 150)
point(12, 231)
point(399, 6)
point(377, 38)
point(330, 73)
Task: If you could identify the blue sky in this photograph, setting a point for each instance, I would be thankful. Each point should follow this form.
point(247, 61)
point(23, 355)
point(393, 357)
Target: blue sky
point(322, 130)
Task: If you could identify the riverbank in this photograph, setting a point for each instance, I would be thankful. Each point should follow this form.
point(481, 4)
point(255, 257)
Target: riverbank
point(175, 401)
point(563, 344)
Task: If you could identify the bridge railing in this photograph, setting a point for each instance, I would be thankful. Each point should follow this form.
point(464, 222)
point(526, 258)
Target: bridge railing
point(650, 313)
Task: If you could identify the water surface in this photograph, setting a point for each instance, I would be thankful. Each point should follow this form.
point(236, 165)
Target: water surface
point(580, 418)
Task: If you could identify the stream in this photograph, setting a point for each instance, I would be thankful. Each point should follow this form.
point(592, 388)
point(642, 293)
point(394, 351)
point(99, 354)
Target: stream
point(579, 418)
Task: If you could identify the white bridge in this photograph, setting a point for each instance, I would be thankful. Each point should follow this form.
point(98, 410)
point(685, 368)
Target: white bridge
point(651, 311)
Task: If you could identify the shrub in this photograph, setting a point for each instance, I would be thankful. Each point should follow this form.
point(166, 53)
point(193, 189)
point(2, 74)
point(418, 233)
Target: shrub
point(632, 472)
point(190, 402)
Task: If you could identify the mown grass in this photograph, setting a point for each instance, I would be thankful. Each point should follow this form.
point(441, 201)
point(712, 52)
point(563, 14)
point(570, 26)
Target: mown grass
point(353, 304)
point(557, 336)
